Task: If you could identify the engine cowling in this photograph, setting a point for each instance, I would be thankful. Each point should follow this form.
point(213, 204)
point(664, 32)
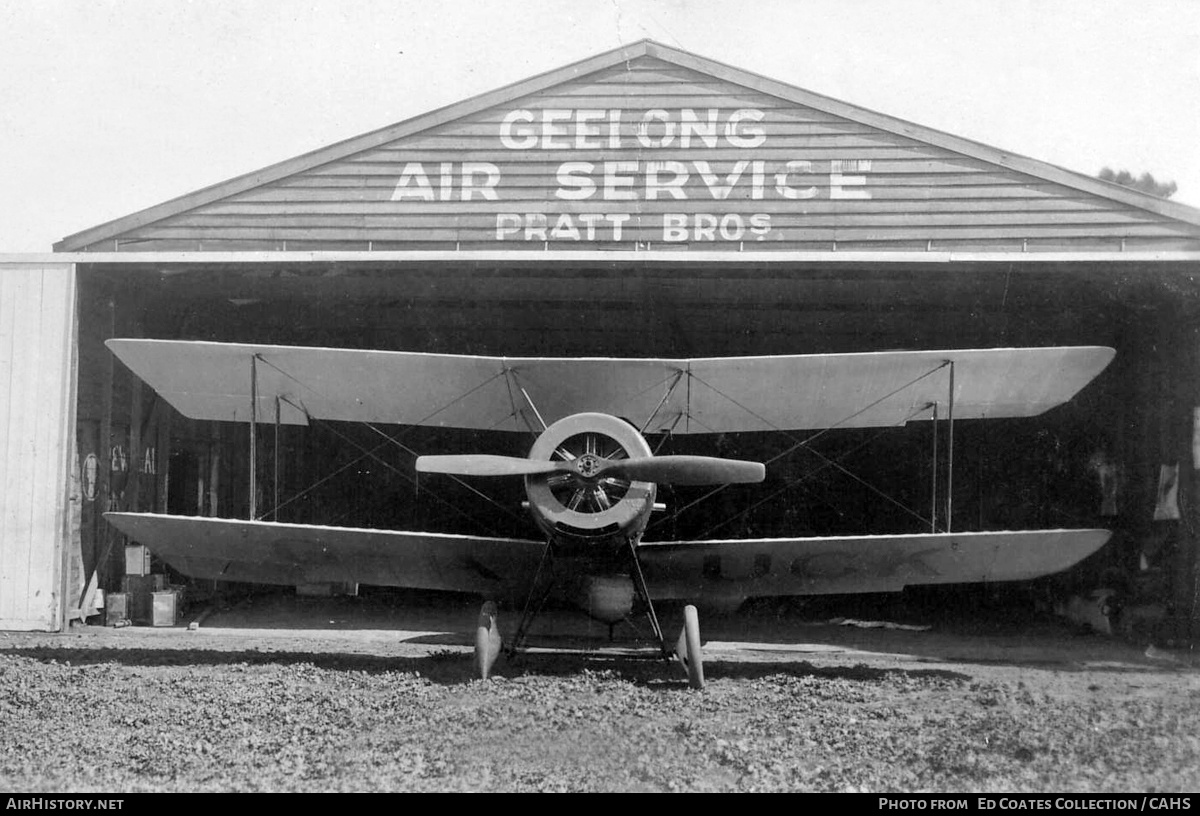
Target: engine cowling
point(584, 503)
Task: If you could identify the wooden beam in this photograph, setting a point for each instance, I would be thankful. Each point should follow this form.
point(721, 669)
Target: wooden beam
point(214, 473)
point(106, 564)
point(162, 450)
point(133, 480)
point(616, 258)
point(253, 480)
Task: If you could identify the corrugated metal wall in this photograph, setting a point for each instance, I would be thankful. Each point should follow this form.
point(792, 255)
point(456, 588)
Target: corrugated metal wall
point(37, 407)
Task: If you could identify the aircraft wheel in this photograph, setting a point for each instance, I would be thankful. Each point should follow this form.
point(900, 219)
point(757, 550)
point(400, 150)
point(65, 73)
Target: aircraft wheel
point(692, 657)
point(487, 640)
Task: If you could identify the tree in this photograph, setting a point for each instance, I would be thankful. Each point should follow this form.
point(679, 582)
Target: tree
point(1145, 183)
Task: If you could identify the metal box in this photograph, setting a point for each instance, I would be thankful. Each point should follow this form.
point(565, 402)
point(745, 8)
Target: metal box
point(137, 560)
point(135, 584)
point(165, 608)
point(117, 608)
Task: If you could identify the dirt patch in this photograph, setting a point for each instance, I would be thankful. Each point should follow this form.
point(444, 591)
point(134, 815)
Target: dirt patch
point(380, 697)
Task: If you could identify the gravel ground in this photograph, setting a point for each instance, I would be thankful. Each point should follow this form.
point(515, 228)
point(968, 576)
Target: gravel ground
point(365, 704)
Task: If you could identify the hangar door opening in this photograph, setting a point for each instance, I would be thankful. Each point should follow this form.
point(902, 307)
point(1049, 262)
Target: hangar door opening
point(1042, 472)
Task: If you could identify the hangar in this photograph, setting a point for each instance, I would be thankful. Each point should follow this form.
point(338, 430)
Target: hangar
point(643, 202)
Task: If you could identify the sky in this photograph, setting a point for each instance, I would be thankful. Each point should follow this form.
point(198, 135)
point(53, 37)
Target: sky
point(111, 106)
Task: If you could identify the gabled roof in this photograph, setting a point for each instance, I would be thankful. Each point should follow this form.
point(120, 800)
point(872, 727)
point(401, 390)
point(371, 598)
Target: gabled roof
point(645, 48)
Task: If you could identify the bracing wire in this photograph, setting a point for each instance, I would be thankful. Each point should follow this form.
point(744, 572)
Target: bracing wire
point(805, 443)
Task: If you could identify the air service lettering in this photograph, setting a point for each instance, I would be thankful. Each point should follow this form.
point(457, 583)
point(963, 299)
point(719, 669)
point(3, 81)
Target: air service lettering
point(619, 180)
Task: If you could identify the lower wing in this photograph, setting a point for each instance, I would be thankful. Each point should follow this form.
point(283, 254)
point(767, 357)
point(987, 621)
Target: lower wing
point(267, 552)
point(878, 563)
point(293, 554)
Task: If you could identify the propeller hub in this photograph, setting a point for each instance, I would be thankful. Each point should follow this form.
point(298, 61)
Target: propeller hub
point(589, 465)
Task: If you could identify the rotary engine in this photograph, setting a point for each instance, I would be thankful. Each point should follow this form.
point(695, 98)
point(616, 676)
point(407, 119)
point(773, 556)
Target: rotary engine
point(590, 498)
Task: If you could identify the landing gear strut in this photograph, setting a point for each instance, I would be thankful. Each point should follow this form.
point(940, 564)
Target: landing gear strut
point(687, 649)
point(539, 593)
point(639, 584)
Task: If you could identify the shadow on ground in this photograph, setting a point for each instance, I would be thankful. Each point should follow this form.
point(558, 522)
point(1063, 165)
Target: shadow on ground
point(949, 628)
point(452, 668)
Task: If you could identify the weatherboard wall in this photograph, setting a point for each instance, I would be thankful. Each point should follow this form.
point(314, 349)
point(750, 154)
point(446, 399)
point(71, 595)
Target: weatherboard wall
point(651, 154)
point(37, 390)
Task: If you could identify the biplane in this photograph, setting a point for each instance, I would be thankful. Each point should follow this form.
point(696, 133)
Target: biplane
point(591, 474)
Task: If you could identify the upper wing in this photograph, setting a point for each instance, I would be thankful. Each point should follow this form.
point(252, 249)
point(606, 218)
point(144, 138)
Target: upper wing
point(880, 563)
point(267, 552)
point(724, 394)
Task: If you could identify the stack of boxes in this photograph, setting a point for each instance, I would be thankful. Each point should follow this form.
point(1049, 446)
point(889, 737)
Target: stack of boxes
point(145, 598)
